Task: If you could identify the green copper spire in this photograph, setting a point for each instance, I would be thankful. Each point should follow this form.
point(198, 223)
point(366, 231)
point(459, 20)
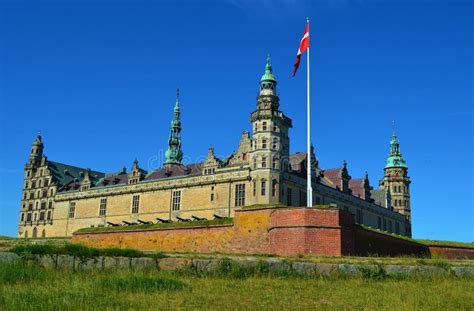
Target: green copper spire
point(268, 80)
point(174, 155)
point(395, 158)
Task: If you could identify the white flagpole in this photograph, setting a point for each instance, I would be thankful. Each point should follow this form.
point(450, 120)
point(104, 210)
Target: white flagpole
point(309, 189)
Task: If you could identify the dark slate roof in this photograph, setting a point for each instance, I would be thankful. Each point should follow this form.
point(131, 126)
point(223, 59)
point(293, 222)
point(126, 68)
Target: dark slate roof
point(64, 174)
point(357, 187)
point(110, 179)
point(379, 196)
point(175, 171)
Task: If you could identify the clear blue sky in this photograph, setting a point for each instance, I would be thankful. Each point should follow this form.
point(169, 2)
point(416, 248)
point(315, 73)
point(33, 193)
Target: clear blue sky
point(98, 78)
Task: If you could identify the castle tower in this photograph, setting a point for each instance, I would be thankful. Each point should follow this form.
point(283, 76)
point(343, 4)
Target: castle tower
point(270, 143)
point(36, 152)
point(396, 179)
point(174, 155)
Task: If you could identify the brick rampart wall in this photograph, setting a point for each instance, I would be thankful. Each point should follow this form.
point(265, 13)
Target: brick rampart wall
point(451, 252)
point(281, 231)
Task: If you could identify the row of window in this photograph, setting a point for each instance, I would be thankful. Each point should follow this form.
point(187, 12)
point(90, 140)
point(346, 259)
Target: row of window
point(400, 203)
point(34, 216)
point(38, 173)
point(37, 206)
point(264, 144)
point(263, 162)
point(35, 233)
point(398, 189)
point(40, 184)
point(38, 194)
point(264, 126)
point(135, 206)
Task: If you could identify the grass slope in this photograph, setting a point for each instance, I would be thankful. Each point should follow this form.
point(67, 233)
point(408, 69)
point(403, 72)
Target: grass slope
point(30, 287)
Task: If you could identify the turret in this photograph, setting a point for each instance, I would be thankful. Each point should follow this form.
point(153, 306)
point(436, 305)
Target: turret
point(174, 155)
point(36, 151)
point(396, 180)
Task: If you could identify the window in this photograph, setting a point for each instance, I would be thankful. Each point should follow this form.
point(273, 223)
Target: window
point(254, 188)
point(28, 217)
point(240, 195)
point(36, 205)
point(43, 205)
point(274, 187)
point(289, 196)
point(103, 207)
point(22, 217)
point(274, 163)
point(264, 144)
point(43, 233)
point(397, 227)
point(274, 144)
point(35, 216)
point(264, 162)
point(264, 126)
point(24, 196)
point(275, 127)
point(46, 182)
point(379, 222)
point(176, 200)
point(50, 204)
point(72, 209)
point(264, 186)
point(33, 184)
point(26, 232)
point(49, 215)
point(51, 192)
point(360, 216)
point(135, 204)
point(45, 193)
point(41, 215)
point(255, 162)
point(212, 197)
point(40, 183)
point(35, 232)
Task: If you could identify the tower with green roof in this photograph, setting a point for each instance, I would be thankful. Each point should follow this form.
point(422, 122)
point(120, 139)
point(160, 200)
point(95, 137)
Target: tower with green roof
point(174, 154)
point(396, 179)
point(269, 144)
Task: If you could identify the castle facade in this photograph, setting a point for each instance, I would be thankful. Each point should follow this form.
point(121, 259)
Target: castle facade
point(59, 199)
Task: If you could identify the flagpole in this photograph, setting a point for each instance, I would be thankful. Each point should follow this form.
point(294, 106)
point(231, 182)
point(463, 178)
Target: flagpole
point(309, 189)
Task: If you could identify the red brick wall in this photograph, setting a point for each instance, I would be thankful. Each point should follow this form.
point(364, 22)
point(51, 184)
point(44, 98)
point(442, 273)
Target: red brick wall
point(370, 243)
point(451, 252)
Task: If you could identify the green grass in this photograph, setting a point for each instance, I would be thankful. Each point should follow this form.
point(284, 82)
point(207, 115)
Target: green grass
point(197, 223)
point(30, 287)
point(78, 250)
point(446, 243)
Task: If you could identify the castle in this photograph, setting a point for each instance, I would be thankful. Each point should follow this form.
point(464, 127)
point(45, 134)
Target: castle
point(59, 199)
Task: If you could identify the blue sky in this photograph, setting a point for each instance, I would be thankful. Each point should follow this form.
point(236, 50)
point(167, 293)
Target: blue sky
point(98, 78)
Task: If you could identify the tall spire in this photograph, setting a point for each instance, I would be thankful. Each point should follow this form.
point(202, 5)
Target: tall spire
point(174, 155)
point(395, 158)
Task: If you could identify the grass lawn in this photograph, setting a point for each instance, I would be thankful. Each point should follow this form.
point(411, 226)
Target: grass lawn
point(30, 287)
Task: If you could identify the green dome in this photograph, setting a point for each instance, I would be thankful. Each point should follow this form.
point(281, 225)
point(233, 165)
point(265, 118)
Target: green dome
point(268, 75)
point(395, 158)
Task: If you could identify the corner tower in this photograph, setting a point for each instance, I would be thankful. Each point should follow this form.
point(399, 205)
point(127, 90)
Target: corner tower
point(396, 179)
point(269, 154)
point(174, 155)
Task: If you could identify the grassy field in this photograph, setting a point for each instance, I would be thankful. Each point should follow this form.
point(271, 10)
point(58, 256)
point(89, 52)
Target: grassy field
point(30, 287)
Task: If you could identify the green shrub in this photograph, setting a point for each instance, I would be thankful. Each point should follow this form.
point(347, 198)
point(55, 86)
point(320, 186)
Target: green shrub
point(378, 273)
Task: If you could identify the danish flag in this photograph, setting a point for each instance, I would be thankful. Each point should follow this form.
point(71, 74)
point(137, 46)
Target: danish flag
point(304, 44)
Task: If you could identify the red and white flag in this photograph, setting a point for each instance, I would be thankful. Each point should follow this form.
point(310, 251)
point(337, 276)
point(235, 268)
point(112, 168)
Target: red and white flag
point(304, 44)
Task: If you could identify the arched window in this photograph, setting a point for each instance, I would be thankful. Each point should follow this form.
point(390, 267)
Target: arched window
point(264, 162)
point(264, 187)
point(26, 234)
point(22, 217)
point(35, 232)
point(254, 188)
point(264, 144)
point(43, 233)
point(274, 187)
point(274, 144)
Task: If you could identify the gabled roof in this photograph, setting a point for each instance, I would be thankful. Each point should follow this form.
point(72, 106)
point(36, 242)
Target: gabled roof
point(333, 176)
point(379, 196)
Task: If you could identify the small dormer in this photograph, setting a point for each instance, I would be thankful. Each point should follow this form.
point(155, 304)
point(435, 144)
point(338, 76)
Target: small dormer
point(136, 174)
point(86, 181)
point(211, 164)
